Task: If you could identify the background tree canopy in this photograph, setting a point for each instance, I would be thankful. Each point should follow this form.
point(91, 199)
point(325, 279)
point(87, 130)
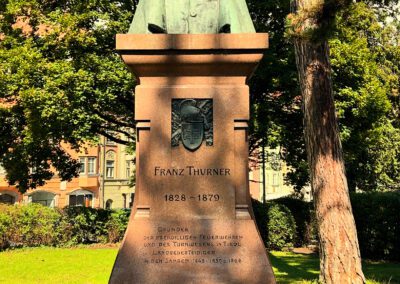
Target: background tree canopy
point(365, 58)
point(61, 81)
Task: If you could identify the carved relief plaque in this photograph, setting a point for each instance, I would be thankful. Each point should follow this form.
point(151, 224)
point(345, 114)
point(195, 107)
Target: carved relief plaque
point(192, 122)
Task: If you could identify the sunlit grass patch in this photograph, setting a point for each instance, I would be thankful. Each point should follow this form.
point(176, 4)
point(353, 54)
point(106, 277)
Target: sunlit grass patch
point(93, 265)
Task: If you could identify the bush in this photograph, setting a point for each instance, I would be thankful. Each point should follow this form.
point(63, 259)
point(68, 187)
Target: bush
point(276, 224)
point(281, 227)
point(377, 217)
point(116, 225)
point(282, 223)
point(5, 226)
point(36, 225)
point(32, 225)
point(261, 217)
point(82, 225)
point(304, 215)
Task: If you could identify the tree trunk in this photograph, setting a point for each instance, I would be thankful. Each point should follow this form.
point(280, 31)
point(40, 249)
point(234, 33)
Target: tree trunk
point(340, 260)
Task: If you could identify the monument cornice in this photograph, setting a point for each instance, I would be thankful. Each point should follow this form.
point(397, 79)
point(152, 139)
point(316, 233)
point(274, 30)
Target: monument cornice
point(191, 57)
point(193, 42)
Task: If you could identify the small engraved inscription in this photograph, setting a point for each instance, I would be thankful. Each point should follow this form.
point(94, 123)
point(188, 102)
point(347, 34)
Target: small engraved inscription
point(171, 245)
point(192, 122)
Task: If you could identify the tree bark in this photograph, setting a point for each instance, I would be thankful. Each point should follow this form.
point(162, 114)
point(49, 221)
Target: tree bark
point(340, 260)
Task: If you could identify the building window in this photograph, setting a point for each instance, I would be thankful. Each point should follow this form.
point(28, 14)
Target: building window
point(33, 170)
point(275, 181)
point(132, 199)
point(128, 169)
point(7, 198)
point(82, 161)
point(109, 204)
point(110, 169)
point(91, 166)
point(124, 199)
point(275, 161)
point(43, 197)
point(81, 198)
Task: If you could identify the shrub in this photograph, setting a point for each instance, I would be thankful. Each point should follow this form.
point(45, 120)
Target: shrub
point(31, 225)
point(5, 226)
point(377, 217)
point(276, 224)
point(282, 223)
point(117, 224)
point(304, 215)
point(84, 225)
point(261, 217)
point(36, 225)
point(281, 227)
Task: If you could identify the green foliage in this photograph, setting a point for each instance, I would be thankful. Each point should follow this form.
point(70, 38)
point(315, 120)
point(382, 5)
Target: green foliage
point(84, 225)
point(281, 227)
point(304, 215)
point(61, 81)
point(276, 224)
point(32, 225)
point(36, 225)
point(376, 214)
point(5, 225)
point(366, 74)
point(365, 58)
point(276, 118)
point(116, 225)
point(283, 223)
point(377, 217)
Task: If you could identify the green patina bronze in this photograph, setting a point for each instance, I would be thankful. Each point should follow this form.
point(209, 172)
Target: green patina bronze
point(191, 17)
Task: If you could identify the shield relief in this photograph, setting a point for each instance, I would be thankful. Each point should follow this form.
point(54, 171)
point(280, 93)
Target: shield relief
point(191, 123)
point(192, 134)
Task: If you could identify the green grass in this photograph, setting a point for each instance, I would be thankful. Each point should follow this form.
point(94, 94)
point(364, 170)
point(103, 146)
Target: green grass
point(294, 268)
point(56, 265)
point(298, 268)
point(90, 265)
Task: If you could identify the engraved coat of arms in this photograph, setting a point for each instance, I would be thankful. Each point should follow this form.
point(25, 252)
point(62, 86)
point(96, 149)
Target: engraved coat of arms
point(192, 123)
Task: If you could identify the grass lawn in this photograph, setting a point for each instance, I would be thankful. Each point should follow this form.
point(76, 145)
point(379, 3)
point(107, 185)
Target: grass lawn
point(93, 265)
point(299, 268)
point(56, 265)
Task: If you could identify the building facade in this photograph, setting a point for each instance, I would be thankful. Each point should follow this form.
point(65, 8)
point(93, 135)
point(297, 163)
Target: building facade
point(103, 181)
point(106, 173)
point(117, 164)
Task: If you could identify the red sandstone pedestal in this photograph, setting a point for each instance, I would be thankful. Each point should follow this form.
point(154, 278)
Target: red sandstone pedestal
point(192, 218)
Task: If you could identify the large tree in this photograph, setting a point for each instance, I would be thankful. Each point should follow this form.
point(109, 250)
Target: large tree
point(365, 56)
point(60, 82)
point(340, 260)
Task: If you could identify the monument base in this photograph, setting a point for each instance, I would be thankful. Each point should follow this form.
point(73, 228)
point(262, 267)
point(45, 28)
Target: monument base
point(192, 219)
point(192, 251)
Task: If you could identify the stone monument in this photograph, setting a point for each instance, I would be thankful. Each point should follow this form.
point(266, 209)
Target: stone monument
point(192, 220)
